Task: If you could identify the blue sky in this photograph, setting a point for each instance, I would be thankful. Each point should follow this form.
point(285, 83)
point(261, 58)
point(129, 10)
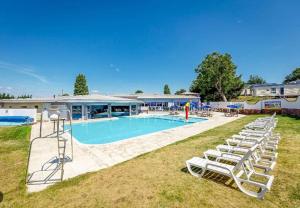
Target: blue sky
point(122, 46)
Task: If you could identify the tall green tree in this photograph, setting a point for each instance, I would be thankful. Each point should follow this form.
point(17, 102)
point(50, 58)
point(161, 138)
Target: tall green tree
point(6, 96)
point(295, 75)
point(80, 86)
point(178, 92)
point(167, 90)
point(138, 92)
point(255, 79)
point(24, 96)
point(216, 78)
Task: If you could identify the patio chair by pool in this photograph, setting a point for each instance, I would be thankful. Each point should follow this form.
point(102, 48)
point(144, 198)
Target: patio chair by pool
point(250, 143)
point(265, 153)
point(271, 141)
point(205, 111)
point(256, 158)
point(242, 173)
point(232, 110)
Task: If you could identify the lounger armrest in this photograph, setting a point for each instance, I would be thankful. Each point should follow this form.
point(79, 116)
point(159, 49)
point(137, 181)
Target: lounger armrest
point(231, 154)
point(218, 166)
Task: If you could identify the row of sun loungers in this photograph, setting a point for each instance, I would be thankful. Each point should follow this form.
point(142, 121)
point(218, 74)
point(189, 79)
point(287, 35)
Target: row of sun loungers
point(247, 158)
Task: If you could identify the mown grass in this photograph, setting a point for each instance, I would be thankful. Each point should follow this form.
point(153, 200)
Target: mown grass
point(159, 178)
point(13, 157)
point(250, 99)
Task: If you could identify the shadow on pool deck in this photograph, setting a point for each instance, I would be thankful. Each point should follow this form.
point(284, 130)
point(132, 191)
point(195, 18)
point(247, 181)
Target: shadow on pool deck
point(49, 172)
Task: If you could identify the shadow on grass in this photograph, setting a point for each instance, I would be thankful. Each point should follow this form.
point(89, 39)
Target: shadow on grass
point(1, 196)
point(217, 178)
point(291, 116)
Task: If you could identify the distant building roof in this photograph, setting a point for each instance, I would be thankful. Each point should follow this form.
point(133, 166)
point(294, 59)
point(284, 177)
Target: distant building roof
point(28, 100)
point(266, 85)
point(157, 96)
point(190, 93)
point(71, 99)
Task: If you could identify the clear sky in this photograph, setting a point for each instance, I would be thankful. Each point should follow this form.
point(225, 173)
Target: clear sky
point(122, 46)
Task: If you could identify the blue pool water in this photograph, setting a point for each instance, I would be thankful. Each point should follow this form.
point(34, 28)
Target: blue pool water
point(14, 120)
point(103, 132)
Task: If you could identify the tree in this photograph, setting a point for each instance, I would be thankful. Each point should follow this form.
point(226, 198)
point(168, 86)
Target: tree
point(295, 75)
point(255, 79)
point(6, 96)
point(65, 94)
point(138, 92)
point(24, 96)
point(217, 79)
point(80, 86)
point(178, 92)
point(167, 90)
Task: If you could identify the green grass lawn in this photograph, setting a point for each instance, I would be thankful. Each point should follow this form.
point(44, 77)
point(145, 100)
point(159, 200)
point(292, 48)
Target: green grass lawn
point(255, 99)
point(156, 179)
point(250, 99)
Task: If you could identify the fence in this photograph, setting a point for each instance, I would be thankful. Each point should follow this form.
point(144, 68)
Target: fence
point(281, 106)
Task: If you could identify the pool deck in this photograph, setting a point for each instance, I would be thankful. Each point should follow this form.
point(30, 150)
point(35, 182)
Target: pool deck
point(89, 158)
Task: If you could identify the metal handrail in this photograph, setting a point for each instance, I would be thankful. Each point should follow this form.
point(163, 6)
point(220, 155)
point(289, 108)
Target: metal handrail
point(71, 132)
point(57, 135)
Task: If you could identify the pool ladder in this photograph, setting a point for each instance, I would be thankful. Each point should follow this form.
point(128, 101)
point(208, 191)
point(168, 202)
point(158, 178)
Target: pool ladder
point(61, 146)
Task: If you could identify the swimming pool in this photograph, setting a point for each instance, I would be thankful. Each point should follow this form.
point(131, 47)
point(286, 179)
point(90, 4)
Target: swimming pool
point(102, 132)
point(15, 120)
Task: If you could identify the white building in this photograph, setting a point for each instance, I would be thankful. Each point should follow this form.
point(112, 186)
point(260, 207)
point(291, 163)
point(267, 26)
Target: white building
point(276, 90)
point(165, 102)
point(81, 107)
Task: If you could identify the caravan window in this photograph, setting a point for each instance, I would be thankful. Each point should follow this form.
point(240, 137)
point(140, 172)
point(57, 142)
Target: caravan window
point(273, 90)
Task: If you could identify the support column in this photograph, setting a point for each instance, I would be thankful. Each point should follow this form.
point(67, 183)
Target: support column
point(82, 112)
point(130, 110)
point(71, 111)
point(109, 110)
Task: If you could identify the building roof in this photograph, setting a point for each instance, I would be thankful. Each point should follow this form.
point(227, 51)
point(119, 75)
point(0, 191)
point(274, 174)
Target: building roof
point(190, 93)
point(96, 98)
point(266, 85)
point(28, 100)
point(73, 99)
point(157, 96)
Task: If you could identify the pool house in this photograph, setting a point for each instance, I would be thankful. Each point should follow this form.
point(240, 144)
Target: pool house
point(81, 107)
point(165, 102)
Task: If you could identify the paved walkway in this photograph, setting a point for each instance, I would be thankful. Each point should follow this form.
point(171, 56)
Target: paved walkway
point(88, 158)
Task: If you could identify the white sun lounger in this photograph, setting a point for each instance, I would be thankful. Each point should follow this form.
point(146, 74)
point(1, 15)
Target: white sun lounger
point(257, 160)
point(236, 172)
point(270, 135)
point(243, 150)
point(270, 141)
point(252, 142)
point(269, 131)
